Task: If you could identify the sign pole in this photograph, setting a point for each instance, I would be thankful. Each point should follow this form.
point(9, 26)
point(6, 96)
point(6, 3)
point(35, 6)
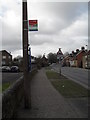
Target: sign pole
point(27, 102)
point(59, 57)
point(60, 67)
point(30, 58)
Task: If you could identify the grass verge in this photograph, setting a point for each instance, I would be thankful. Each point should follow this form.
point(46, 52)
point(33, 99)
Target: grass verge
point(52, 75)
point(0, 88)
point(5, 86)
point(65, 86)
point(48, 68)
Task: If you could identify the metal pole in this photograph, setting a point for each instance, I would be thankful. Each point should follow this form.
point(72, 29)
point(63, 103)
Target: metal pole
point(27, 102)
point(60, 66)
point(30, 57)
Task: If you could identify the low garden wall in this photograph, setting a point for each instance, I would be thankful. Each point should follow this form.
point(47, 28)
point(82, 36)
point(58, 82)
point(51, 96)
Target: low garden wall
point(12, 97)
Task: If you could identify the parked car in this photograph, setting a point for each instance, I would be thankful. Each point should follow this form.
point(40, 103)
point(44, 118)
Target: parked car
point(6, 69)
point(15, 69)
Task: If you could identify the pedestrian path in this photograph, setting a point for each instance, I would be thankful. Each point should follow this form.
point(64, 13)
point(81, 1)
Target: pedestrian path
point(46, 101)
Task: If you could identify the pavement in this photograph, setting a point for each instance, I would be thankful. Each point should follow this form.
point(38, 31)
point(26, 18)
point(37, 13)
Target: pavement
point(47, 102)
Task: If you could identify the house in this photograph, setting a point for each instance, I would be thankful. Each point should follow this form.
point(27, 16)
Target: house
point(86, 60)
point(5, 58)
point(73, 59)
point(79, 57)
point(70, 60)
point(65, 61)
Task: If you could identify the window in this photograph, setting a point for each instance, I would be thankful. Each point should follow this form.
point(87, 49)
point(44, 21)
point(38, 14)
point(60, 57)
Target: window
point(4, 57)
point(9, 57)
point(3, 62)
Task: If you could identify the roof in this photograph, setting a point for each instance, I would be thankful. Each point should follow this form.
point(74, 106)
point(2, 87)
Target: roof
point(81, 52)
point(6, 52)
point(87, 53)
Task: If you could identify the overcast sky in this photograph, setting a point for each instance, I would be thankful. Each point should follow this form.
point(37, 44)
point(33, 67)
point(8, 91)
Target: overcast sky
point(60, 25)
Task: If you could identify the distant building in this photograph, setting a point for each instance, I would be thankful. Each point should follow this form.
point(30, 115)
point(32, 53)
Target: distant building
point(86, 60)
point(79, 58)
point(5, 58)
point(65, 61)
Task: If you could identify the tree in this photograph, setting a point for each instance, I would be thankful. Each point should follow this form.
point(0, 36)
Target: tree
point(52, 58)
point(82, 48)
point(77, 50)
point(39, 61)
point(66, 54)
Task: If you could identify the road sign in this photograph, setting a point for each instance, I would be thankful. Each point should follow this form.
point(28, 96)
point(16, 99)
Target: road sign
point(33, 25)
point(60, 57)
point(59, 54)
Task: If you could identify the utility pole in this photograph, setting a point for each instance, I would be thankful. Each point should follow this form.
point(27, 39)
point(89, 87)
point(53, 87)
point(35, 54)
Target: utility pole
point(27, 101)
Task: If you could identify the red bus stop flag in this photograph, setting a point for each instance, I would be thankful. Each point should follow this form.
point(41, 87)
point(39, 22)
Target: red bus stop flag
point(33, 25)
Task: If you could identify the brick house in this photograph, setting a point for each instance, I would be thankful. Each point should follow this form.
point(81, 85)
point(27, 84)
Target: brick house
point(79, 58)
point(86, 60)
point(65, 61)
point(5, 58)
point(70, 60)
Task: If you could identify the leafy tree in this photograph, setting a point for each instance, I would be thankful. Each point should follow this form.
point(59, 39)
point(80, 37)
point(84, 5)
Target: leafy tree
point(52, 58)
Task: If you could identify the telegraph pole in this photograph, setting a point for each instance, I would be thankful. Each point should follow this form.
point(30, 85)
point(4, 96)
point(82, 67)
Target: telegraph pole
point(27, 102)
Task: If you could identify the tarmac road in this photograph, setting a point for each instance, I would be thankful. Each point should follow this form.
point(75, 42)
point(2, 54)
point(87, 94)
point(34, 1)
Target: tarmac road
point(10, 77)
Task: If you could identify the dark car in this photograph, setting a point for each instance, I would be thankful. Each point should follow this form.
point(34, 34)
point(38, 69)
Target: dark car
point(15, 69)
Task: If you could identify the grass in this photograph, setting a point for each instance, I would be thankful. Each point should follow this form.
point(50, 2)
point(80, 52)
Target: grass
point(5, 86)
point(48, 68)
point(52, 75)
point(0, 88)
point(70, 89)
point(65, 86)
point(8, 84)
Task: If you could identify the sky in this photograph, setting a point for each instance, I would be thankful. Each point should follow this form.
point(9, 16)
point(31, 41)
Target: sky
point(60, 25)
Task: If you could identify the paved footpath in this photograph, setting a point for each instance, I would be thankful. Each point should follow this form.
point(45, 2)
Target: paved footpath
point(47, 102)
